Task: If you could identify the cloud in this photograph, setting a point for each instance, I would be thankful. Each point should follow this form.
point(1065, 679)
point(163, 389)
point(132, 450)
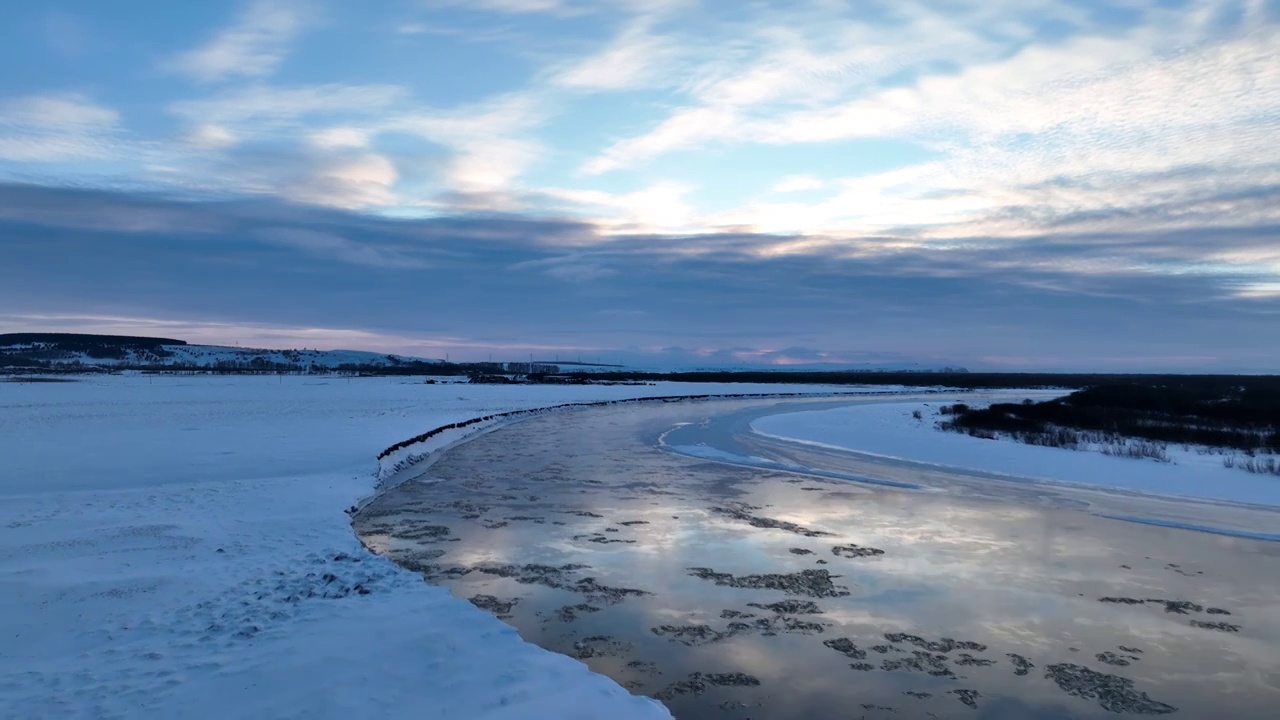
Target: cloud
point(510, 282)
point(489, 142)
point(58, 111)
point(304, 143)
point(1123, 120)
point(771, 61)
point(50, 128)
point(1260, 290)
point(573, 268)
point(330, 245)
point(1118, 90)
point(636, 58)
point(506, 6)
point(254, 46)
point(356, 181)
point(684, 129)
point(654, 208)
point(1158, 82)
point(340, 137)
point(261, 109)
point(557, 7)
point(798, 183)
point(209, 135)
point(340, 177)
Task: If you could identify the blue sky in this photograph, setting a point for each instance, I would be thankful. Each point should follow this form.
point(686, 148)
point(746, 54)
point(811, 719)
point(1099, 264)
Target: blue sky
point(999, 184)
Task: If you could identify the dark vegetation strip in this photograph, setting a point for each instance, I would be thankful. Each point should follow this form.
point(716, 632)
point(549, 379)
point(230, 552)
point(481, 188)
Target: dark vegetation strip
point(1240, 413)
point(960, 380)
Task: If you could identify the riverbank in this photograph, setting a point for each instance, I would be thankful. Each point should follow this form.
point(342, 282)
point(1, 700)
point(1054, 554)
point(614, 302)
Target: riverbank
point(893, 430)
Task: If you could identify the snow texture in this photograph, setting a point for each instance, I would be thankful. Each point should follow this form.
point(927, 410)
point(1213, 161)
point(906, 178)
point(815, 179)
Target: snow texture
point(176, 547)
point(889, 430)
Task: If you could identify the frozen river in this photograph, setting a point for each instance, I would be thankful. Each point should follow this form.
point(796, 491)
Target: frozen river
point(863, 587)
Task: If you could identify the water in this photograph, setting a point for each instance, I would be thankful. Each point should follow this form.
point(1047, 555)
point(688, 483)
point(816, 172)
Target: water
point(571, 516)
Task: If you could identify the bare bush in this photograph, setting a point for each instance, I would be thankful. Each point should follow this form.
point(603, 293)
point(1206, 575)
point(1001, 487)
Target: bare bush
point(1137, 449)
point(1257, 465)
point(1111, 444)
point(1052, 437)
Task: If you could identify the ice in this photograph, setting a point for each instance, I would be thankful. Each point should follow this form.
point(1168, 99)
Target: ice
point(707, 452)
point(890, 430)
point(176, 547)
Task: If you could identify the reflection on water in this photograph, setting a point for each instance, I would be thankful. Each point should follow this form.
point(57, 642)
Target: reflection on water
point(733, 592)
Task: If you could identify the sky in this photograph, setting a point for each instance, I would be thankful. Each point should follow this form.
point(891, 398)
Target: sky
point(1000, 185)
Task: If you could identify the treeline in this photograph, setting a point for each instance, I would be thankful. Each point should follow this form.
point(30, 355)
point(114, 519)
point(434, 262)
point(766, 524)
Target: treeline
point(1240, 413)
point(961, 380)
point(294, 363)
point(46, 349)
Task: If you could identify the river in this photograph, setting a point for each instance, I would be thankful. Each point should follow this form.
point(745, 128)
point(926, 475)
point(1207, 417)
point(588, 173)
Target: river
point(731, 586)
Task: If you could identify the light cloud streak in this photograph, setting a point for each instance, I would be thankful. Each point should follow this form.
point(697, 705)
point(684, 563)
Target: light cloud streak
point(47, 128)
point(253, 46)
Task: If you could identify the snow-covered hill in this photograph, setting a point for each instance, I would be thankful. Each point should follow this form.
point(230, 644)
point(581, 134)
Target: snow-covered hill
point(89, 351)
point(211, 355)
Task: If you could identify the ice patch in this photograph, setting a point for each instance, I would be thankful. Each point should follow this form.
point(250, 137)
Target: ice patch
point(709, 453)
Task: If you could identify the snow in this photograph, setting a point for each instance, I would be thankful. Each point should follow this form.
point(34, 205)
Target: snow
point(889, 430)
point(176, 547)
point(210, 354)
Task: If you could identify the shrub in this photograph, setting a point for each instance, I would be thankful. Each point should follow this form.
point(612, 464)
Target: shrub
point(1137, 449)
point(1260, 466)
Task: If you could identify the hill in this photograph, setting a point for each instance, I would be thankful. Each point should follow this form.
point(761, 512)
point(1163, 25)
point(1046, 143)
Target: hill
point(84, 352)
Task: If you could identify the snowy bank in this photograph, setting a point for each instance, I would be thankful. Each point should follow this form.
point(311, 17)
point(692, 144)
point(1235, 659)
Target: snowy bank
point(891, 430)
point(176, 547)
point(400, 461)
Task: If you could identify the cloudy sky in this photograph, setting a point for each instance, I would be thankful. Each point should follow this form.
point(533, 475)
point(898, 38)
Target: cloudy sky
point(1001, 184)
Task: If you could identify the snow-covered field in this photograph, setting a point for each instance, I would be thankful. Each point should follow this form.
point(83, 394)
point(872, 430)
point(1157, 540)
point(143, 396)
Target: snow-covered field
point(176, 547)
point(890, 430)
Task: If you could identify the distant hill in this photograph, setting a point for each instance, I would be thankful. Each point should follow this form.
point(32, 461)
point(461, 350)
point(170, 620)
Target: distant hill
point(68, 351)
point(72, 352)
point(83, 339)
